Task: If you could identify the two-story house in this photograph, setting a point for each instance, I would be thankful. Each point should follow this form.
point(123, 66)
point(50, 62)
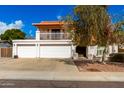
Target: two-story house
point(53, 41)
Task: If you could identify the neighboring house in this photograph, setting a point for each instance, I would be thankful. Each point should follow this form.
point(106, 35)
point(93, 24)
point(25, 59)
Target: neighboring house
point(53, 41)
point(4, 44)
point(5, 49)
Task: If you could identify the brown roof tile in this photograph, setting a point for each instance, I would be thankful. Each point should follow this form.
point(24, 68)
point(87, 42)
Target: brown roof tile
point(49, 23)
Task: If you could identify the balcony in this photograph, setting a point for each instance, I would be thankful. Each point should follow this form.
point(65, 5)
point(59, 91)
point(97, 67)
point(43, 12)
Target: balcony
point(55, 36)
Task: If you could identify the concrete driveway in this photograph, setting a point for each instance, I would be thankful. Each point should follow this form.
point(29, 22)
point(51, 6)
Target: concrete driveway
point(59, 65)
point(51, 69)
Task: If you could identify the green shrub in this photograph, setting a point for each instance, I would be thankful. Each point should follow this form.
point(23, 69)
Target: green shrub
point(117, 57)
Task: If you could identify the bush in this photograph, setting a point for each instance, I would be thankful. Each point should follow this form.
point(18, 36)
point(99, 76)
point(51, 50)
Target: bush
point(120, 50)
point(111, 55)
point(117, 57)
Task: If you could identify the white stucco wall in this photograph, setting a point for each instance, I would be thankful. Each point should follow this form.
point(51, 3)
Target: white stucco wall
point(115, 48)
point(91, 51)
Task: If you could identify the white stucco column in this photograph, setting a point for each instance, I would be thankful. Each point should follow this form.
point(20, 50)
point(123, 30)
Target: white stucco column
point(91, 51)
point(61, 34)
point(37, 35)
point(110, 49)
point(50, 35)
point(37, 45)
point(73, 50)
point(114, 48)
point(74, 54)
point(14, 50)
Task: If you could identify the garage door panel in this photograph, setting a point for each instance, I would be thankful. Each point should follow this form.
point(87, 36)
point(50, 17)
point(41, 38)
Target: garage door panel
point(55, 51)
point(27, 51)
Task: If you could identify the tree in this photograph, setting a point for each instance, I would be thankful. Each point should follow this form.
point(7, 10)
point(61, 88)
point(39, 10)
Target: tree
point(119, 32)
point(118, 27)
point(12, 34)
point(89, 23)
point(92, 25)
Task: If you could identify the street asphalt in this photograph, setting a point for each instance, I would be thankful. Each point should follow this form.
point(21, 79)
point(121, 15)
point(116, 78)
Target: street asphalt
point(58, 84)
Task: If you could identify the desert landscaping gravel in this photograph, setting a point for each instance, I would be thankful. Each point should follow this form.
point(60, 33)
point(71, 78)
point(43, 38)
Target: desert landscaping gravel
point(84, 66)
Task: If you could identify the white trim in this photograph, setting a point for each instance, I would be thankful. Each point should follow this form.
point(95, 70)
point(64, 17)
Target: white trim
point(37, 35)
point(42, 41)
point(32, 40)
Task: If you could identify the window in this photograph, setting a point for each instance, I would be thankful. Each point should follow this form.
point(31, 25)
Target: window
point(100, 51)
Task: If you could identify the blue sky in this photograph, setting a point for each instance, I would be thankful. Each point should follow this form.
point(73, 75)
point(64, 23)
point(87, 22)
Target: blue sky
point(23, 16)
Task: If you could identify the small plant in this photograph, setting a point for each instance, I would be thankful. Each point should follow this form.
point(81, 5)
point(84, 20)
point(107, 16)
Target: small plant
point(117, 57)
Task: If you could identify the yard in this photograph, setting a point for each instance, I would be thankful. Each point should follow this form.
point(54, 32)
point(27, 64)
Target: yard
point(87, 66)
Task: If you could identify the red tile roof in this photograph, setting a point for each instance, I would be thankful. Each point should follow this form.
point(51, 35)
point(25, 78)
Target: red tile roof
point(49, 23)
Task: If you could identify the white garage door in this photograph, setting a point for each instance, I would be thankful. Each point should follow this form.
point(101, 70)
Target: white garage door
point(50, 51)
point(26, 51)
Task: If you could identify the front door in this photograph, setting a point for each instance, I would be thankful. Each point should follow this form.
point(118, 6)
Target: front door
point(55, 34)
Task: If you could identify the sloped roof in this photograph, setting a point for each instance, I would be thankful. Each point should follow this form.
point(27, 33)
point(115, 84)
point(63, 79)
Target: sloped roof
point(5, 45)
point(45, 23)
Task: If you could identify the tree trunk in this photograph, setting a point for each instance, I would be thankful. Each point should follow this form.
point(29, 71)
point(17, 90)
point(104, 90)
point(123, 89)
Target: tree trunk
point(104, 54)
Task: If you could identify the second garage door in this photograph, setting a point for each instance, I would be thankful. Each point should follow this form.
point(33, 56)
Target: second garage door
point(55, 51)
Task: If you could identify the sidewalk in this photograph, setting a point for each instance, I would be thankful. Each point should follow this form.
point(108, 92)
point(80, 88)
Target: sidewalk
point(63, 76)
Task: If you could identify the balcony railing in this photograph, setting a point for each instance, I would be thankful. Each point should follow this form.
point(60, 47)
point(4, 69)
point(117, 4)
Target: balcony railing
point(54, 36)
